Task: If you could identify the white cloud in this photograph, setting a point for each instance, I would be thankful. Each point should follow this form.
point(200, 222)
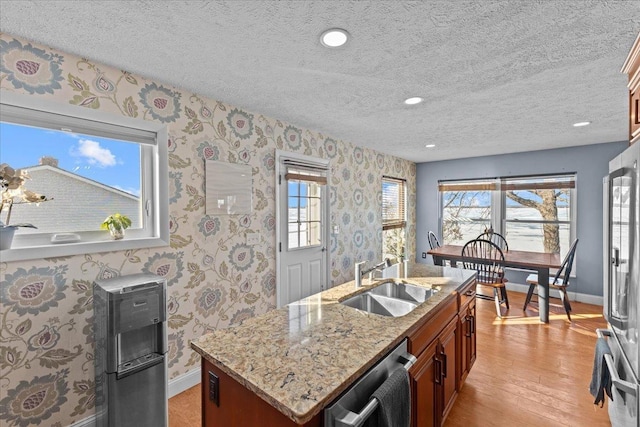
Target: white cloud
point(93, 153)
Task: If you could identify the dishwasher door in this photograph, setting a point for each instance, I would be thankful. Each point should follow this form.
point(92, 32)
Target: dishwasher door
point(355, 405)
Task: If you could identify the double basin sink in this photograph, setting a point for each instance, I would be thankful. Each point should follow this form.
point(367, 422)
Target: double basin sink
point(393, 299)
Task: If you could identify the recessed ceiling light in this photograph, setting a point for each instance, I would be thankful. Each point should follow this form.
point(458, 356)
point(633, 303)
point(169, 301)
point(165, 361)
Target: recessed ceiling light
point(430, 145)
point(579, 124)
point(335, 37)
point(413, 101)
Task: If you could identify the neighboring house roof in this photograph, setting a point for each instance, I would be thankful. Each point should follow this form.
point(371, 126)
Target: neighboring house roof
point(79, 178)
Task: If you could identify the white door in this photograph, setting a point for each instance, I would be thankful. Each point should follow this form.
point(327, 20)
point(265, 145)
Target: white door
point(302, 226)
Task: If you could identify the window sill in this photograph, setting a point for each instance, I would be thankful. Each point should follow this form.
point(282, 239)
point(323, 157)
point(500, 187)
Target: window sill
point(22, 253)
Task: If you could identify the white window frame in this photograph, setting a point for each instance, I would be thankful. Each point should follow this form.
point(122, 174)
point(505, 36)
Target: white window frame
point(498, 202)
point(23, 109)
point(399, 223)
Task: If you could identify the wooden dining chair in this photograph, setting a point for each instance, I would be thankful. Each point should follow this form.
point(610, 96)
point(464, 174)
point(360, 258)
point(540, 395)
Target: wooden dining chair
point(560, 281)
point(490, 268)
point(496, 238)
point(433, 240)
point(435, 243)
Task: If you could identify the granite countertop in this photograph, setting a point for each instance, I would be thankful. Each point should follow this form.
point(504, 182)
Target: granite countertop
point(301, 356)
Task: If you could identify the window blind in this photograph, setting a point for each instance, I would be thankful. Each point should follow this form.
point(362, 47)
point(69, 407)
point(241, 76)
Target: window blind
point(480, 185)
point(297, 173)
point(540, 183)
point(393, 203)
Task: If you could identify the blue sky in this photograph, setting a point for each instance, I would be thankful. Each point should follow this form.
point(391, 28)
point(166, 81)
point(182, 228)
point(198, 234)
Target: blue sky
point(111, 162)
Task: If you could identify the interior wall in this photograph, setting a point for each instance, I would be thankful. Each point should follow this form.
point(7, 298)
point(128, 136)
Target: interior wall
point(215, 279)
point(590, 162)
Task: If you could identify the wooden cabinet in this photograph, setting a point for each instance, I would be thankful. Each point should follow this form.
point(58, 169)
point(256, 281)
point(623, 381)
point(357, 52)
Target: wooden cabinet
point(425, 380)
point(466, 333)
point(229, 403)
point(434, 376)
point(631, 67)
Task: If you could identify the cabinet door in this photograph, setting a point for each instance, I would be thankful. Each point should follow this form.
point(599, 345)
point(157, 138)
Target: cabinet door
point(467, 339)
point(425, 374)
point(463, 342)
point(447, 356)
point(471, 337)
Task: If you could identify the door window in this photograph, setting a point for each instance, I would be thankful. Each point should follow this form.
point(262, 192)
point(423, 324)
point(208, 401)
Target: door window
point(304, 200)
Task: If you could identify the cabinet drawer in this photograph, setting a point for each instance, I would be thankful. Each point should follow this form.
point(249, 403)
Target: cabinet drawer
point(420, 337)
point(466, 295)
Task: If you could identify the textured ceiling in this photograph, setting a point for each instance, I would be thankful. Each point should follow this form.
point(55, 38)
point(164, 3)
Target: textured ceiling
point(497, 76)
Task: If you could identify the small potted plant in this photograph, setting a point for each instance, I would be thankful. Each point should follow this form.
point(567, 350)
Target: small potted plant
point(116, 224)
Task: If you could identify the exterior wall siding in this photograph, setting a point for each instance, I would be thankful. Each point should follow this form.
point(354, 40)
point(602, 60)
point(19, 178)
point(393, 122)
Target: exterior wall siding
point(90, 205)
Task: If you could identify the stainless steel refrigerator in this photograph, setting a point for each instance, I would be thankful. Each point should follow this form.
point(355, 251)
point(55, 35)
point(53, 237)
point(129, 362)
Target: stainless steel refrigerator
point(622, 284)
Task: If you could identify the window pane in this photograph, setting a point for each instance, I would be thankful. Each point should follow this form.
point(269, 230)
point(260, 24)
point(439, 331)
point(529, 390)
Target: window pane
point(293, 188)
point(86, 177)
point(465, 215)
point(530, 236)
point(539, 204)
point(314, 233)
point(293, 236)
point(305, 214)
point(393, 243)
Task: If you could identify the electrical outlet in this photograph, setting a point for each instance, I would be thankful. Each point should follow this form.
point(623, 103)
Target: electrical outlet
point(424, 254)
point(214, 388)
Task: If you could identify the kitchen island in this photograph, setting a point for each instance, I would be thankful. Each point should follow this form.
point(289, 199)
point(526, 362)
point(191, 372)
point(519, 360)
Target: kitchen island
point(286, 366)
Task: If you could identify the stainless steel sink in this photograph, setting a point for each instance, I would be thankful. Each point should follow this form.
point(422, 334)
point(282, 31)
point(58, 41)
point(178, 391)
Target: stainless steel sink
point(390, 299)
point(379, 304)
point(403, 291)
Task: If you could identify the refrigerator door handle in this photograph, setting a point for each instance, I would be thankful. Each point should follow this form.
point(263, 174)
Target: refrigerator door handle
point(621, 384)
point(615, 258)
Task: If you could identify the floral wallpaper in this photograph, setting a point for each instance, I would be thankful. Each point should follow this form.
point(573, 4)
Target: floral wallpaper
point(215, 280)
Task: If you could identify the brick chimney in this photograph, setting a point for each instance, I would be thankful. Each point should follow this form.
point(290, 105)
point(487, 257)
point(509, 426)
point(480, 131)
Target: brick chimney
point(49, 161)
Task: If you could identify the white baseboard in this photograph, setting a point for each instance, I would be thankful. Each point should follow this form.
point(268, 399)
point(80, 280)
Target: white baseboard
point(184, 382)
point(573, 296)
point(176, 386)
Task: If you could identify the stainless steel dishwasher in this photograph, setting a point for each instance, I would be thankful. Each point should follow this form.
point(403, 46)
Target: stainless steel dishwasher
point(356, 405)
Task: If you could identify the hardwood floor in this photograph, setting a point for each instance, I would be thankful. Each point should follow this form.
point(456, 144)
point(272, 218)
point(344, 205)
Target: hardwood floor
point(526, 373)
point(531, 374)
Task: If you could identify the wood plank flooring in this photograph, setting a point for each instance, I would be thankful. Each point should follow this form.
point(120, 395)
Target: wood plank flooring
point(526, 373)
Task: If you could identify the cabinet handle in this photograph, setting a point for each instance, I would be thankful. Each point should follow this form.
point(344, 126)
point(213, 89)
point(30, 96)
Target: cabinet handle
point(469, 331)
point(438, 370)
point(444, 363)
point(470, 293)
point(473, 324)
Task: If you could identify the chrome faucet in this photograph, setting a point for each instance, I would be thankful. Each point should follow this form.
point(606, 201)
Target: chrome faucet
point(360, 271)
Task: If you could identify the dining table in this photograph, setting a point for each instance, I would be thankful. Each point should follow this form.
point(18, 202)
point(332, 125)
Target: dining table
point(534, 261)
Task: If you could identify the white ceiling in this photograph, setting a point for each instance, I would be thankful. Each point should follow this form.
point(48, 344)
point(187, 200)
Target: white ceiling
point(497, 76)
